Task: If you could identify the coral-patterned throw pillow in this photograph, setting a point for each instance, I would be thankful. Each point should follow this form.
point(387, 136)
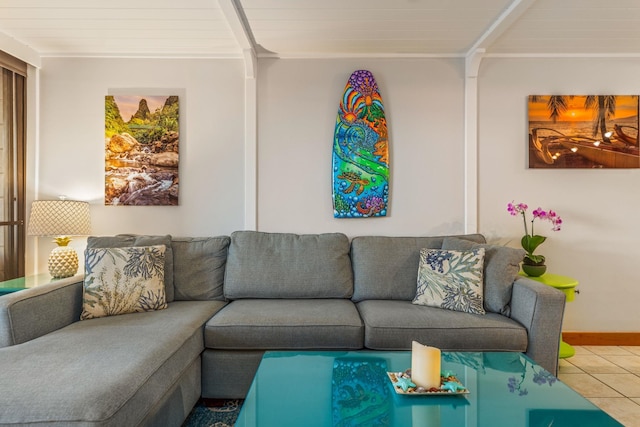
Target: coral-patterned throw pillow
point(123, 280)
point(452, 280)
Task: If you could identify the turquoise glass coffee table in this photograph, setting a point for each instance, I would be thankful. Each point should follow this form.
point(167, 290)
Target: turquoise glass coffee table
point(352, 389)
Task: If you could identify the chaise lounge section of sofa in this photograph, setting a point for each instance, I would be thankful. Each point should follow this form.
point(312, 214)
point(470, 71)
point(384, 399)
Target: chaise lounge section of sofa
point(130, 369)
point(233, 298)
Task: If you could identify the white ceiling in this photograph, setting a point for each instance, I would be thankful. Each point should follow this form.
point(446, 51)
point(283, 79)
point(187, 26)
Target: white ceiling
point(321, 28)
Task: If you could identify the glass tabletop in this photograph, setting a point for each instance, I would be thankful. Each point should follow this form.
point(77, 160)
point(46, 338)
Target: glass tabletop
point(20, 283)
point(353, 389)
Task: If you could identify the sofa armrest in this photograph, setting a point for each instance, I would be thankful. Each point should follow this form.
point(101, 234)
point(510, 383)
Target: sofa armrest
point(34, 312)
point(540, 309)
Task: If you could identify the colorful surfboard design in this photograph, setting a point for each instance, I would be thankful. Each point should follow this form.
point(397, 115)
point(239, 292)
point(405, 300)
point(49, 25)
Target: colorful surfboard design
point(360, 151)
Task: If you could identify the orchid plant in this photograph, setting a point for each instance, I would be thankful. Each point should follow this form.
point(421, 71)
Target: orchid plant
point(531, 241)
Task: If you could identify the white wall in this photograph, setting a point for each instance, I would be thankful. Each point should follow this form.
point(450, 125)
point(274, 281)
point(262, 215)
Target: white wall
point(297, 107)
point(71, 146)
point(598, 244)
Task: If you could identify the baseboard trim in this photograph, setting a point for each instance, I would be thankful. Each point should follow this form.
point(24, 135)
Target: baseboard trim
point(602, 338)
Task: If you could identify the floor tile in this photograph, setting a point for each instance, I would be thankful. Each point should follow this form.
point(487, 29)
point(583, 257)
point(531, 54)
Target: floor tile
point(588, 386)
point(607, 350)
point(626, 384)
point(630, 363)
point(594, 364)
point(566, 367)
point(622, 409)
point(581, 350)
point(633, 349)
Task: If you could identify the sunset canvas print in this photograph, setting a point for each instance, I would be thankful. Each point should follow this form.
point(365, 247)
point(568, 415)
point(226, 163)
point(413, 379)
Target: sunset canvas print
point(583, 131)
point(142, 138)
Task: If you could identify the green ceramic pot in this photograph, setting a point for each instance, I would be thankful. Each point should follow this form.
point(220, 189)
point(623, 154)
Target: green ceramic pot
point(534, 270)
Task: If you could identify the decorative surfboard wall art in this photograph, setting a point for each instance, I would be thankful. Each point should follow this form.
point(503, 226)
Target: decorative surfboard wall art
point(360, 151)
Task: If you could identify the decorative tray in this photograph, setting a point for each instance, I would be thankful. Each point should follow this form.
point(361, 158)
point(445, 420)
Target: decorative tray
point(450, 385)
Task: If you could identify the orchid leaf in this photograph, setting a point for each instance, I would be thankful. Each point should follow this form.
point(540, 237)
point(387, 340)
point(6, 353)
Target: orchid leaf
point(530, 243)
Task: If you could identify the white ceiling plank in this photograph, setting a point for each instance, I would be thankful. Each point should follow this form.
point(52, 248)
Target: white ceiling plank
point(347, 34)
point(380, 47)
point(130, 14)
point(123, 34)
point(113, 25)
point(340, 6)
point(463, 14)
point(586, 4)
point(111, 4)
point(562, 16)
point(362, 25)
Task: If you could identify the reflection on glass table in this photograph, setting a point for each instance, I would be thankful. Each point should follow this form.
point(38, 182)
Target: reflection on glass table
point(350, 388)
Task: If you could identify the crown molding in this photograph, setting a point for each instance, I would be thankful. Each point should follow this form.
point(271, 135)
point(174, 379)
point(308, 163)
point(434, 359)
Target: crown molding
point(20, 50)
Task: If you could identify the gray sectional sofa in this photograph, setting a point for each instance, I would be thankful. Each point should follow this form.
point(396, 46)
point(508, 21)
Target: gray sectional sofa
point(231, 299)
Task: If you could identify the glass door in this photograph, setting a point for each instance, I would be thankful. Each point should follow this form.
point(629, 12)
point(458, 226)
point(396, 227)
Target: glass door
point(12, 174)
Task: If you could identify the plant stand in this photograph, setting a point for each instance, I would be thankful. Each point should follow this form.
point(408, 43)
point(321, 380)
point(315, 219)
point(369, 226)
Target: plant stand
point(567, 285)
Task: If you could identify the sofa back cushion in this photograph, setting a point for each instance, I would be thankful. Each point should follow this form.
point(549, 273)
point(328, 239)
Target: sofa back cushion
point(198, 267)
point(387, 267)
point(280, 265)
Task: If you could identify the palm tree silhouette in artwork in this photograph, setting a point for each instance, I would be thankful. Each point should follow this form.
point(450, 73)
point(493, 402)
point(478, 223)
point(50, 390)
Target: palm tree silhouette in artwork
point(603, 107)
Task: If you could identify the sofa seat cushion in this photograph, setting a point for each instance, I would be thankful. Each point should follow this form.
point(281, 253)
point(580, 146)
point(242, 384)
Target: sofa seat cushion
point(392, 325)
point(287, 324)
point(108, 371)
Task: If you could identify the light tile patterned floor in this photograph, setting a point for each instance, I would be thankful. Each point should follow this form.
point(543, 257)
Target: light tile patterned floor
point(609, 377)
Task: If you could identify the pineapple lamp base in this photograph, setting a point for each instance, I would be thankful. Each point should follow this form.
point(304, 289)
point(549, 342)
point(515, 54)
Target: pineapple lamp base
point(63, 262)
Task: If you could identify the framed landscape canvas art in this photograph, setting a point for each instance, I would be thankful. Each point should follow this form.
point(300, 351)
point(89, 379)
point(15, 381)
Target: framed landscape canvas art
point(142, 138)
point(583, 131)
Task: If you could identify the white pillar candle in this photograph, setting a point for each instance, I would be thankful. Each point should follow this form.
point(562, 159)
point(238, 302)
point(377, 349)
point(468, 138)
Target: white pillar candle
point(425, 365)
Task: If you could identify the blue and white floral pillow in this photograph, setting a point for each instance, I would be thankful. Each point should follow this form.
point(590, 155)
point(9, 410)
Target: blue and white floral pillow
point(452, 280)
point(123, 280)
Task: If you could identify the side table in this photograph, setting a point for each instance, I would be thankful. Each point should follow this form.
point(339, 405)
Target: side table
point(567, 285)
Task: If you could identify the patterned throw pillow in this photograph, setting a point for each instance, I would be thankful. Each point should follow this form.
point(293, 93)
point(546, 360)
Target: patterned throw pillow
point(123, 280)
point(452, 280)
point(501, 267)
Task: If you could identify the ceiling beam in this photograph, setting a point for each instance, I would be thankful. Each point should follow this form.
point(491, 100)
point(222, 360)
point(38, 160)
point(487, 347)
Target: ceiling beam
point(237, 20)
point(500, 25)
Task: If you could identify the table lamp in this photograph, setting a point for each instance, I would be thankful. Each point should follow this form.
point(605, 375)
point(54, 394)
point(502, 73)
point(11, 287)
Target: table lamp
point(60, 218)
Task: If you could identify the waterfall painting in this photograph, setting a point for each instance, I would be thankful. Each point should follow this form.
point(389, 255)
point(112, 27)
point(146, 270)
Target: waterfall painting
point(583, 131)
point(142, 137)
